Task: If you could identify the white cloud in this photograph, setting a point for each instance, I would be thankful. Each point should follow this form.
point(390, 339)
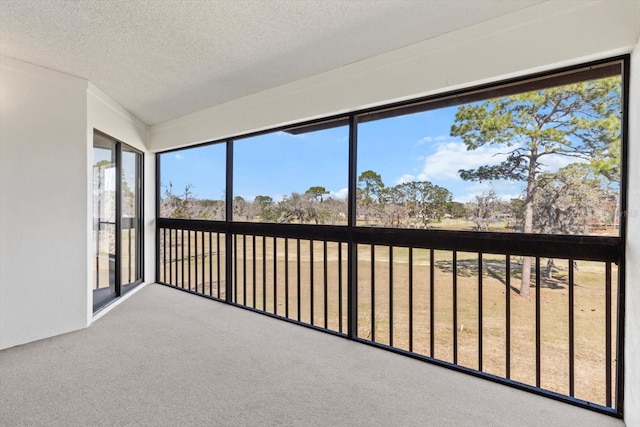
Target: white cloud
point(340, 194)
point(449, 155)
point(178, 157)
point(432, 139)
point(452, 156)
point(405, 178)
point(552, 163)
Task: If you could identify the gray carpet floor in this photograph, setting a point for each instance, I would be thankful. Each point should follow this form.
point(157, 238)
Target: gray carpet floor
point(165, 357)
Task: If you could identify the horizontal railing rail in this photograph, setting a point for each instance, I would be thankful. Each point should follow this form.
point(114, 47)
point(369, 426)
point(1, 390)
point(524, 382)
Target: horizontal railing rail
point(588, 248)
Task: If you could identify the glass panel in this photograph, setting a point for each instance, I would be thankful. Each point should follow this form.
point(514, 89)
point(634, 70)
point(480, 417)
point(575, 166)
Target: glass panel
point(193, 183)
point(131, 270)
point(104, 220)
point(537, 156)
point(292, 178)
point(545, 161)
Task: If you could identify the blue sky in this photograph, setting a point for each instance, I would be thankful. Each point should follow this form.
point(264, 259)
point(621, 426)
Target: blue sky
point(414, 147)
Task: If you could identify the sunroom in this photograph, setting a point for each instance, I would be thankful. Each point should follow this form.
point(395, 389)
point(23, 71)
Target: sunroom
point(459, 195)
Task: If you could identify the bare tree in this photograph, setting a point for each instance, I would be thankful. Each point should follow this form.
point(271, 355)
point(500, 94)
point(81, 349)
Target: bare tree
point(569, 200)
point(177, 205)
point(484, 209)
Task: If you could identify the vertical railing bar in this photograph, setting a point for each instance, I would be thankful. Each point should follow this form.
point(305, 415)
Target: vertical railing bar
point(507, 338)
point(264, 273)
point(173, 250)
point(210, 265)
point(352, 289)
point(182, 257)
point(253, 266)
point(202, 254)
point(340, 287)
point(326, 311)
point(571, 331)
point(229, 266)
point(608, 332)
point(203, 262)
point(164, 255)
point(373, 292)
point(195, 259)
point(391, 296)
point(298, 274)
point(538, 321)
point(235, 268)
point(174, 267)
point(311, 281)
point(218, 260)
point(275, 275)
point(286, 277)
point(454, 264)
point(189, 259)
point(171, 258)
point(431, 298)
point(410, 299)
point(161, 253)
point(244, 269)
point(480, 311)
point(178, 259)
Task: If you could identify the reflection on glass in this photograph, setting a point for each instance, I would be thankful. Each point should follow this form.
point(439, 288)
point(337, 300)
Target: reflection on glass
point(292, 178)
point(130, 200)
point(193, 183)
point(104, 219)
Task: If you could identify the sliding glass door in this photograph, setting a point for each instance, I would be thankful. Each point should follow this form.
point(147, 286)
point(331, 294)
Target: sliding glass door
point(117, 219)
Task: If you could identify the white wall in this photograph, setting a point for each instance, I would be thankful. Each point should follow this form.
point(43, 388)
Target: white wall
point(46, 152)
point(43, 199)
point(632, 339)
point(107, 116)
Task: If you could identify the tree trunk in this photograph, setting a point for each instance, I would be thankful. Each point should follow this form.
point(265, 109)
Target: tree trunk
point(528, 225)
point(550, 265)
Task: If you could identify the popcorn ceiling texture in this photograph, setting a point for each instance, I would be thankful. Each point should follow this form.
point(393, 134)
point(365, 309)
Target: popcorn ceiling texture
point(162, 59)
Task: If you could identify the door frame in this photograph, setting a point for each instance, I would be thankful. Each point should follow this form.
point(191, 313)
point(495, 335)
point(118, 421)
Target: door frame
point(120, 288)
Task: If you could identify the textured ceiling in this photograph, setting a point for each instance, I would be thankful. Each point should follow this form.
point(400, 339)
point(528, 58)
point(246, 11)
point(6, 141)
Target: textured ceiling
point(162, 59)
